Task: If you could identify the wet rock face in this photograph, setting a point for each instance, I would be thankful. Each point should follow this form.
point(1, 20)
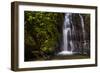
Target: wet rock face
point(81, 36)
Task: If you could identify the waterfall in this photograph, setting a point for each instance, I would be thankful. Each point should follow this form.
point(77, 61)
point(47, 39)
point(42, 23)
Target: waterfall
point(68, 46)
point(83, 29)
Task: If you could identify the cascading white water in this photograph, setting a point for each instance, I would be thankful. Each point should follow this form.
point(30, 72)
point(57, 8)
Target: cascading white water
point(66, 33)
point(84, 33)
point(83, 29)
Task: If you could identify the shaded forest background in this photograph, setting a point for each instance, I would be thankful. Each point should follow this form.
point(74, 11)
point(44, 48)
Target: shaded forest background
point(43, 33)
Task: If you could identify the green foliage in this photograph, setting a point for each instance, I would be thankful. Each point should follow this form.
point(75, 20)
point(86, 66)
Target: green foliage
point(42, 31)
